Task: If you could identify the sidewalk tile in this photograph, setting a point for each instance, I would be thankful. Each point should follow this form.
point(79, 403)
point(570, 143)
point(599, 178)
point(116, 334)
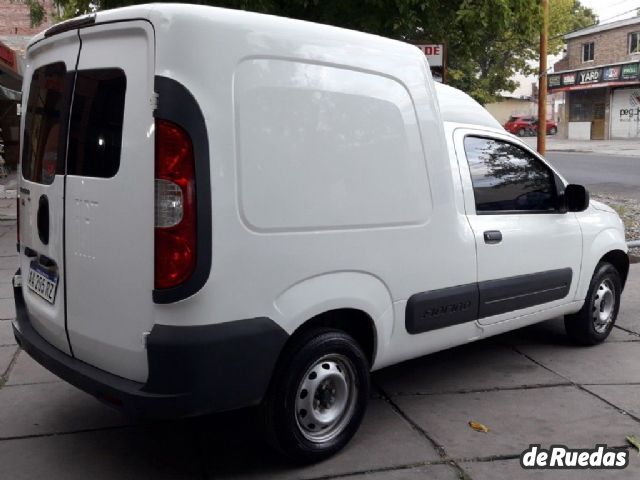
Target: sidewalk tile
point(511, 469)
point(629, 316)
point(6, 334)
point(610, 362)
point(6, 355)
point(159, 453)
point(7, 309)
point(472, 367)
point(428, 472)
point(51, 408)
point(384, 440)
point(27, 371)
point(516, 419)
point(625, 397)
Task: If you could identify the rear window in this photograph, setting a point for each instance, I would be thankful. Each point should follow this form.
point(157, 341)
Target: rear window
point(44, 133)
point(95, 137)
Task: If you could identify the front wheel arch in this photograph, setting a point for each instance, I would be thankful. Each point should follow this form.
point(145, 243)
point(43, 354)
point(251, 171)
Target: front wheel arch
point(620, 260)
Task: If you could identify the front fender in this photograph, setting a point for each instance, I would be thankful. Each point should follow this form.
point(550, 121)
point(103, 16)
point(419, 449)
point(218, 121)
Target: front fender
point(604, 242)
point(336, 290)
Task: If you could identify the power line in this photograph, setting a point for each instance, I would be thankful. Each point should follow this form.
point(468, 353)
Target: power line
point(602, 22)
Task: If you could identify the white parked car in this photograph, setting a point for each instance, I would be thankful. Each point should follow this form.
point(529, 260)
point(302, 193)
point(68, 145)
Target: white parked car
point(221, 209)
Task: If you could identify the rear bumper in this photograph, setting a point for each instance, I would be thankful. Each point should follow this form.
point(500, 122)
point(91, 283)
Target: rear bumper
point(192, 370)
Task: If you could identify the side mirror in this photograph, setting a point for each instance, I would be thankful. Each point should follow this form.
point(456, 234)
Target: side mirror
point(576, 198)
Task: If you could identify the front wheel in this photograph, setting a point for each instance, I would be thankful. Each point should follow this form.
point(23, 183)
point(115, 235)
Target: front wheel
point(318, 397)
point(553, 131)
point(595, 320)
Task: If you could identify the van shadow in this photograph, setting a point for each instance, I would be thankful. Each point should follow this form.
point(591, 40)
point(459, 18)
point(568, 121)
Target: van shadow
point(232, 444)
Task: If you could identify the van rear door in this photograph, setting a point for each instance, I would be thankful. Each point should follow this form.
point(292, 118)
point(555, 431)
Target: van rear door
point(110, 199)
point(49, 76)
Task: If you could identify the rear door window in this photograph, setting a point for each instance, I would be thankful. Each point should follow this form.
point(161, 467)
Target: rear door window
point(44, 132)
point(95, 137)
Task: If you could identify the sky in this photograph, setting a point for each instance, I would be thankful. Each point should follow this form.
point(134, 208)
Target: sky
point(607, 11)
point(612, 10)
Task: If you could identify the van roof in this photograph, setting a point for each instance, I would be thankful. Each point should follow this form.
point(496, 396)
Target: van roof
point(246, 22)
point(455, 106)
point(458, 107)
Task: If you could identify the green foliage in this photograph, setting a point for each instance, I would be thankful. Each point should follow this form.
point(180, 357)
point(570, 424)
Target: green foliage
point(487, 40)
point(36, 12)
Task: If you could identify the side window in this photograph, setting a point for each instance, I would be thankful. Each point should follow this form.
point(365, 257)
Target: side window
point(43, 143)
point(587, 52)
point(95, 137)
point(507, 178)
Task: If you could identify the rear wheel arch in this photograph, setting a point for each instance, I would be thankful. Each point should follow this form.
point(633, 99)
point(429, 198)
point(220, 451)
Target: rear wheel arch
point(352, 321)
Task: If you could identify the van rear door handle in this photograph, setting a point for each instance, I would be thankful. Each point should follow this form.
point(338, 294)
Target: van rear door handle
point(492, 236)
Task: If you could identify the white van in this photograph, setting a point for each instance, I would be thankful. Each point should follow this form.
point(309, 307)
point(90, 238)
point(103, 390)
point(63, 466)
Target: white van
point(221, 209)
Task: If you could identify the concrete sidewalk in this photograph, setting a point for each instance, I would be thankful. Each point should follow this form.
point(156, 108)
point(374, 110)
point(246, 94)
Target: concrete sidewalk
point(626, 148)
point(529, 386)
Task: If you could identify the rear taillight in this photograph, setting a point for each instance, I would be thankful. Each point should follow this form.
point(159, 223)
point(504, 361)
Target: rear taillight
point(175, 206)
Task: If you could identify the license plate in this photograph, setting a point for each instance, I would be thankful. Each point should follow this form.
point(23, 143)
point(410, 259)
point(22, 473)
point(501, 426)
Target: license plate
point(42, 282)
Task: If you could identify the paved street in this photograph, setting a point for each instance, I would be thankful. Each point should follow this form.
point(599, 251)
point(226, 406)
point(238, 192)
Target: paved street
point(600, 173)
point(529, 386)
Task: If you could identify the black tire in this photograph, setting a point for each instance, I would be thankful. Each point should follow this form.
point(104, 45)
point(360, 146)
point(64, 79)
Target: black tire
point(553, 131)
point(522, 132)
point(280, 408)
point(588, 327)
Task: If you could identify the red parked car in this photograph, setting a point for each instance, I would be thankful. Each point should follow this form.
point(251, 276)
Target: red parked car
point(523, 125)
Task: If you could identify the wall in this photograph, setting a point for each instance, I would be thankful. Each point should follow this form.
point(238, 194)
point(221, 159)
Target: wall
point(610, 46)
point(625, 113)
point(501, 111)
point(14, 18)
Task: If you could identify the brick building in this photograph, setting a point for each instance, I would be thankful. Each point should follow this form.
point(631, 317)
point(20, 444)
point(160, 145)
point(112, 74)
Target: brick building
point(14, 18)
point(15, 32)
point(600, 78)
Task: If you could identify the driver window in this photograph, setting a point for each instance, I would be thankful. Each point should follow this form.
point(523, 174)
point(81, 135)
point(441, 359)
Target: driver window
point(508, 179)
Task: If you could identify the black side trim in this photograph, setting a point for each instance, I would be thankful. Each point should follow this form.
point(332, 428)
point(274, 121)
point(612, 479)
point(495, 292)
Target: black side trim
point(229, 364)
point(441, 308)
point(176, 104)
point(467, 303)
point(515, 293)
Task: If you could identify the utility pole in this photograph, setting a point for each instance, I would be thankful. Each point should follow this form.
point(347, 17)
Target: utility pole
point(542, 83)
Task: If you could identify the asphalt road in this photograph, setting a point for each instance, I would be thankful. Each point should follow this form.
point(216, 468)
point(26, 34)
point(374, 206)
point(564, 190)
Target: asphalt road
point(600, 173)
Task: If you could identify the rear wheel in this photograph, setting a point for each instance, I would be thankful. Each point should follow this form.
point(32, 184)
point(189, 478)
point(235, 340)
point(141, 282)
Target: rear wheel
point(553, 131)
point(318, 396)
point(595, 320)
point(522, 132)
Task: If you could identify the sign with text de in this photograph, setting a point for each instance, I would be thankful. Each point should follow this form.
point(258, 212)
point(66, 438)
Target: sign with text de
point(434, 53)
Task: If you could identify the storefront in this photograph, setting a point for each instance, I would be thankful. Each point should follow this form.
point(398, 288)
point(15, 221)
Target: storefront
point(602, 102)
point(10, 96)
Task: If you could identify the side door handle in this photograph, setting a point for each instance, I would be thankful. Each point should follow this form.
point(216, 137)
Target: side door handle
point(492, 236)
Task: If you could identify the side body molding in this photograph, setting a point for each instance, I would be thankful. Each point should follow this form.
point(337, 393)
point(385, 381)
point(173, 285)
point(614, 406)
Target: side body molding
point(427, 311)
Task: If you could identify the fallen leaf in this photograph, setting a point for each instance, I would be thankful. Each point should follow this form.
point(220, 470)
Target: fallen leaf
point(633, 440)
point(478, 427)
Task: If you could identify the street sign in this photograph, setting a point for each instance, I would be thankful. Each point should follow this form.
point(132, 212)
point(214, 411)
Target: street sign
point(437, 58)
point(434, 53)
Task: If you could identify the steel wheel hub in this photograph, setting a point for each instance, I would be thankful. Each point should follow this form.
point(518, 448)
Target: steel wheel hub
point(603, 306)
point(325, 398)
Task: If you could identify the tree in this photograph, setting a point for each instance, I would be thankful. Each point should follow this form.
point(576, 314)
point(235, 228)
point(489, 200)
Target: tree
point(488, 41)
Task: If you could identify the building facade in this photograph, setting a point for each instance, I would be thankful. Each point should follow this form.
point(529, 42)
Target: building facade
point(15, 32)
point(600, 78)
